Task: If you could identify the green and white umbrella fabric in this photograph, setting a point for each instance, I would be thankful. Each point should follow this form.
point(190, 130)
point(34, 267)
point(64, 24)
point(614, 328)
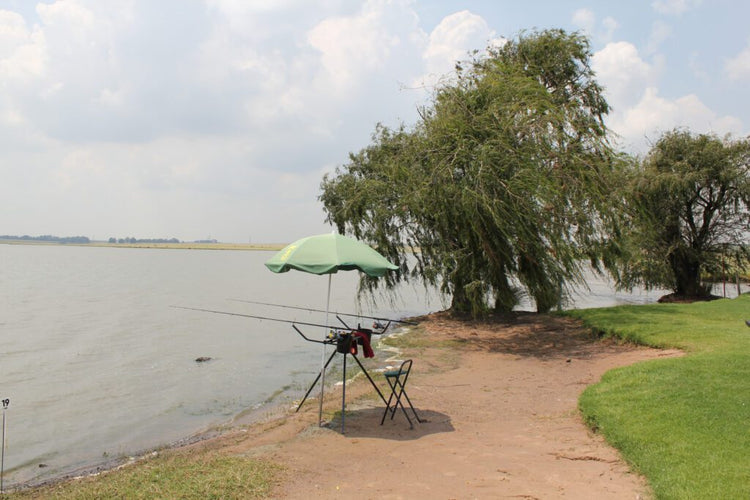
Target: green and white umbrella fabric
point(328, 254)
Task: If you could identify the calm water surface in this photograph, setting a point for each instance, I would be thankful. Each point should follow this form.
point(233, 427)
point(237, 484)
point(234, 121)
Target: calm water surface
point(98, 365)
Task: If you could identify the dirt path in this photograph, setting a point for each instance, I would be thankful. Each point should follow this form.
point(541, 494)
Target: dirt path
point(501, 422)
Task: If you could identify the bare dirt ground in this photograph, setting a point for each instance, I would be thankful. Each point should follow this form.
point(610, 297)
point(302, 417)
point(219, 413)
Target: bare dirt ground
point(499, 402)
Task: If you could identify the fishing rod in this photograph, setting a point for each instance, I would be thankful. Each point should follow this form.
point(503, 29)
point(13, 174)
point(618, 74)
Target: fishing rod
point(321, 310)
point(331, 338)
point(340, 328)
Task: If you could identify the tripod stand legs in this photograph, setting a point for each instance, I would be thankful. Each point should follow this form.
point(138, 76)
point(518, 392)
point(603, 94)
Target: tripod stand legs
point(343, 397)
point(369, 378)
point(315, 381)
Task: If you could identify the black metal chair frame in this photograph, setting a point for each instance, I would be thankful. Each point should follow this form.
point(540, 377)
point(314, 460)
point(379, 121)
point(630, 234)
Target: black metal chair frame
point(397, 381)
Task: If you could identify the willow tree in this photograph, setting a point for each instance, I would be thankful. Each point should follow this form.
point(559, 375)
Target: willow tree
point(504, 185)
point(689, 204)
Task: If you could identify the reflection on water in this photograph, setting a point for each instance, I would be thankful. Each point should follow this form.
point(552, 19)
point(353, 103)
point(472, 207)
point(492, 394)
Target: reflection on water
point(99, 365)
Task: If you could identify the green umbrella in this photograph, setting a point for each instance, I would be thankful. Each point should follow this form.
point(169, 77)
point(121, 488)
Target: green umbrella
point(328, 254)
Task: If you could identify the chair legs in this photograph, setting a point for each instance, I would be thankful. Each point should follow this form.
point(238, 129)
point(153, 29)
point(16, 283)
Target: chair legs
point(397, 382)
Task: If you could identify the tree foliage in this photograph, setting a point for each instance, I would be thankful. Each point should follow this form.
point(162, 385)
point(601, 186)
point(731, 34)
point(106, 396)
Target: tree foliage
point(502, 186)
point(689, 206)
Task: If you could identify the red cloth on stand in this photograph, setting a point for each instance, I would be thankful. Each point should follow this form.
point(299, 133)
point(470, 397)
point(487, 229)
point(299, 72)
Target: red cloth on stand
point(365, 340)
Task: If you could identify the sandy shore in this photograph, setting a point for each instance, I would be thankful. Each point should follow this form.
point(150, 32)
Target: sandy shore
point(499, 402)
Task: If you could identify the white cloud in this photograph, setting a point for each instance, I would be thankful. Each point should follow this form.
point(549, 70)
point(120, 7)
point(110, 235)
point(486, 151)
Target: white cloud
point(622, 72)
point(610, 26)
point(60, 69)
point(351, 47)
point(193, 123)
point(22, 51)
point(674, 7)
point(451, 41)
point(242, 12)
point(641, 124)
point(66, 13)
point(738, 68)
point(639, 113)
point(660, 32)
point(584, 19)
point(112, 98)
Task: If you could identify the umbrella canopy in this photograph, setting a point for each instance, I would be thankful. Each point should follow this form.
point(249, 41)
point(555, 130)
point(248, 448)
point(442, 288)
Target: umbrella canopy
point(327, 254)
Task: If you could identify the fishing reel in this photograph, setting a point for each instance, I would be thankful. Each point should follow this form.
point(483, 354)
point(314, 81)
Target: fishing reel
point(344, 343)
point(342, 339)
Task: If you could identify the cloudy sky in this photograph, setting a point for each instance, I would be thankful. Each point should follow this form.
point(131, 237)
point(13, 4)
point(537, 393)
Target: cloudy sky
point(218, 118)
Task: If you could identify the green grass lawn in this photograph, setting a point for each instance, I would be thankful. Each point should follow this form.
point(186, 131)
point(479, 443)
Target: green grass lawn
point(684, 423)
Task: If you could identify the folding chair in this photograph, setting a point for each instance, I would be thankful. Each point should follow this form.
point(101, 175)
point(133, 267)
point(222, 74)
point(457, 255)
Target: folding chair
point(397, 381)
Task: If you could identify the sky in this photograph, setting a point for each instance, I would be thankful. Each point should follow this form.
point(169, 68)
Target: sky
point(217, 119)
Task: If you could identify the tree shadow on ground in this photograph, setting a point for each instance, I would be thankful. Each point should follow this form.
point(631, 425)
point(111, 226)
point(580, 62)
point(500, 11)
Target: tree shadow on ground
point(543, 336)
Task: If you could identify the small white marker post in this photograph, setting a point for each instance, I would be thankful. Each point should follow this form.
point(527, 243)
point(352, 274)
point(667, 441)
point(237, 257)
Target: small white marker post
point(6, 403)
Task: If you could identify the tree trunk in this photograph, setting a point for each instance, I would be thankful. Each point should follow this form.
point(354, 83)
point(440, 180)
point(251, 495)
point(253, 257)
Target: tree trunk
point(460, 303)
point(686, 269)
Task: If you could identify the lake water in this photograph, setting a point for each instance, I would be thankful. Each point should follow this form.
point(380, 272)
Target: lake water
point(97, 364)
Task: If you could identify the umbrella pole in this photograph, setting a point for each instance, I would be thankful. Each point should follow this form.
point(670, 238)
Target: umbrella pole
point(323, 357)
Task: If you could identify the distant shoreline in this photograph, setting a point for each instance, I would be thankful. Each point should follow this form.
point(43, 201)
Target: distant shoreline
point(166, 246)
